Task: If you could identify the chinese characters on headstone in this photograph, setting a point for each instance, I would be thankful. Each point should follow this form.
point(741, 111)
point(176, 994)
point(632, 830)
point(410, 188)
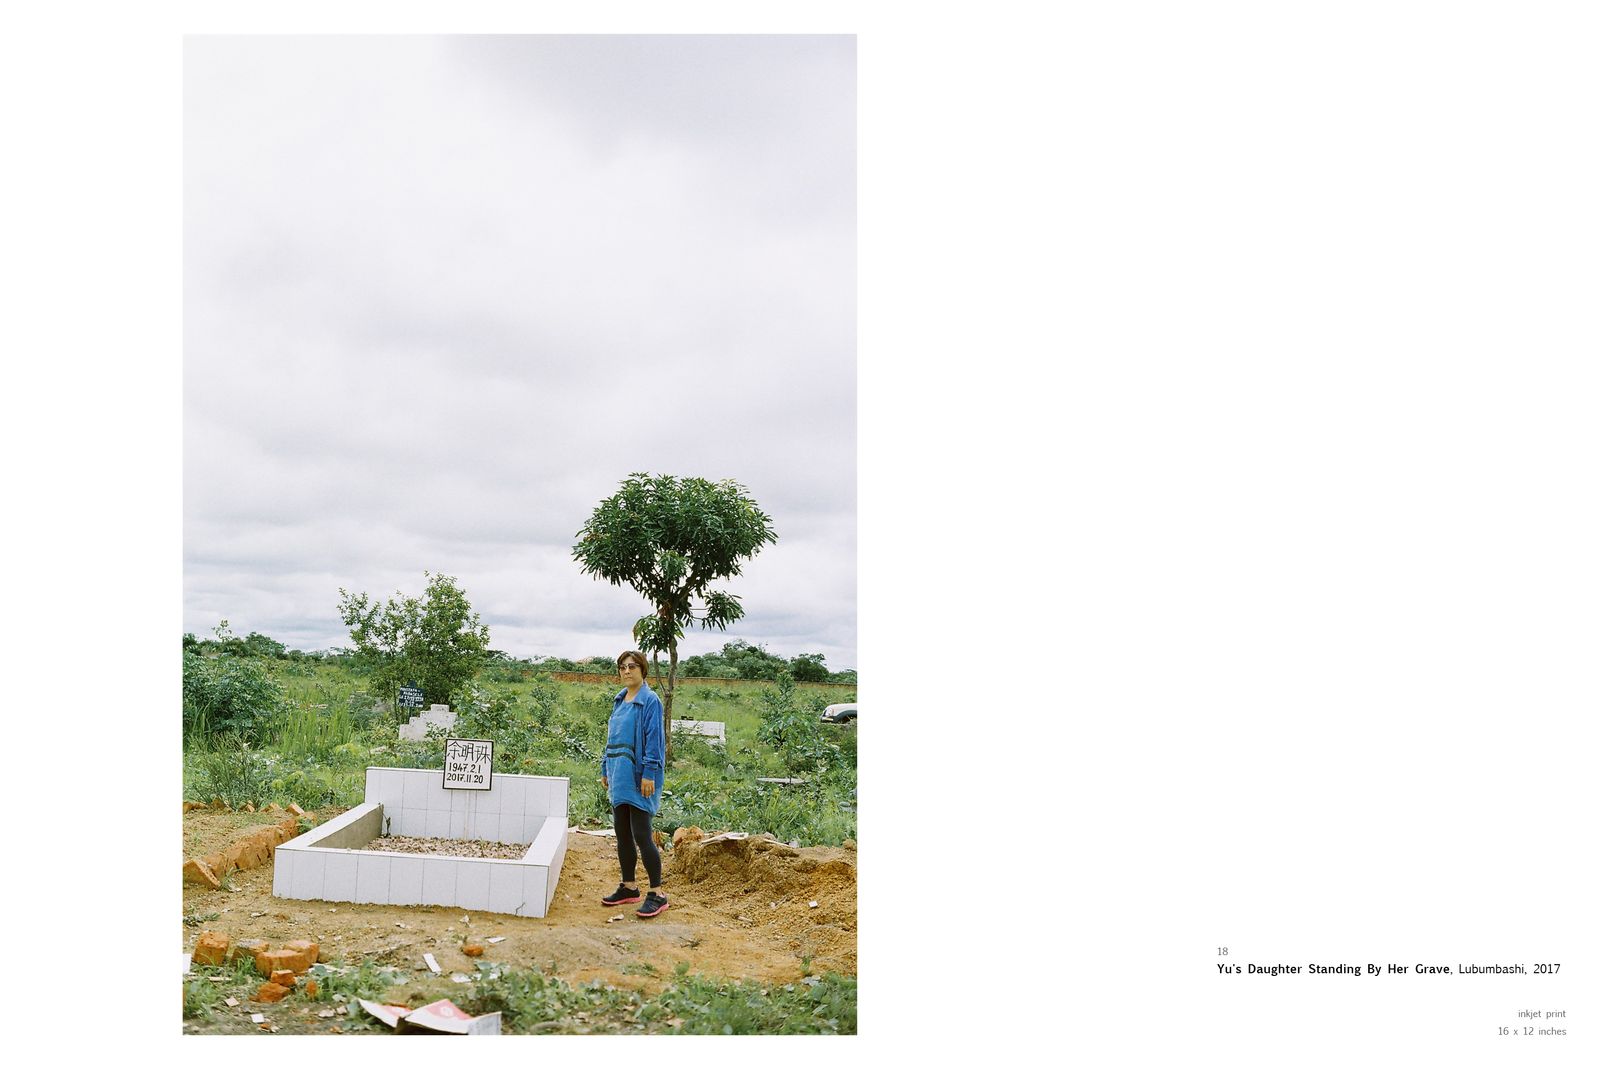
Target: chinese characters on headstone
point(468, 764)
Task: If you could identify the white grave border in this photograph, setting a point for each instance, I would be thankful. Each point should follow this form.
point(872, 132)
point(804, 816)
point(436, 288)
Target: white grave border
point(332, 862)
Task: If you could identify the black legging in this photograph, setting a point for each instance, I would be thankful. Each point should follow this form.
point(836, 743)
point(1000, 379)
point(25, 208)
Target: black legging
point(632, 825)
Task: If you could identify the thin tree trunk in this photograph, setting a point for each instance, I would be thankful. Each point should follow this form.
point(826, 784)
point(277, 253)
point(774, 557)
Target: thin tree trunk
point(672, 682)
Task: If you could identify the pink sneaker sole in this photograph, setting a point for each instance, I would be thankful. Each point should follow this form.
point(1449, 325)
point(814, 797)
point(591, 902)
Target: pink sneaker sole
point(654, 913)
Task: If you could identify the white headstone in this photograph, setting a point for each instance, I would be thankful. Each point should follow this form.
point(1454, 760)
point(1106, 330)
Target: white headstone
point(416, 729)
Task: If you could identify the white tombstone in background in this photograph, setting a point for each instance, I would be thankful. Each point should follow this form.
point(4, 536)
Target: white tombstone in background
point(416, 729)
point(715, 730)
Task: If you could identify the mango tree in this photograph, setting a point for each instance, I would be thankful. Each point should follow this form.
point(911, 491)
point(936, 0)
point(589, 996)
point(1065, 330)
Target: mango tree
point(669, 539)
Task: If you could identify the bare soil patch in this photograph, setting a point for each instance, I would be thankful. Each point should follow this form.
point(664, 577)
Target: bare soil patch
point(740, 909)
point(205, 831)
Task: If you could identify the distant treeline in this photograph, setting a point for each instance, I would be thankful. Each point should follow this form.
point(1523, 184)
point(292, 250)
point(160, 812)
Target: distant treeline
point(736, 660)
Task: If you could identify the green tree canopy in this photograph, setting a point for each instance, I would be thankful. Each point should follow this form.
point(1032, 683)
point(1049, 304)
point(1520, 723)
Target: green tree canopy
point(670, 538)
point(435, 642)
point(809, 668)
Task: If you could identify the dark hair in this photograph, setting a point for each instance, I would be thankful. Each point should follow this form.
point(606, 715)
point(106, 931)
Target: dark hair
point(634, 655)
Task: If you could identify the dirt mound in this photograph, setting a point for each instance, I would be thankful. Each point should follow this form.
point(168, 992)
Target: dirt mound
point(771, 885)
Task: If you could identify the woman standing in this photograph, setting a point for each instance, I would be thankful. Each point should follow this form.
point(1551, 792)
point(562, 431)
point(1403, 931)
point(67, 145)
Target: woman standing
point(633, 772)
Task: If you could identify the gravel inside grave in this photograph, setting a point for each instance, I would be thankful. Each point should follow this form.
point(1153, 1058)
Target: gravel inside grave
point(411, 844)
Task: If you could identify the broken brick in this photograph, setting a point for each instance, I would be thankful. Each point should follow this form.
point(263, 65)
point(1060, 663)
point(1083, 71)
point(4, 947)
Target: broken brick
point(248, 808)
point(307, 951)
point(211, 948)
point(270, 992)
point(248, 948)
point(271, 961)
point(282, 976)
point(195, 871)
point(311, 989)
point(473, 950)
point(296, 810)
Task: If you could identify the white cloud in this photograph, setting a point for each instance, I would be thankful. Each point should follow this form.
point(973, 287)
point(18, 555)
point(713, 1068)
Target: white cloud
point(443, 294)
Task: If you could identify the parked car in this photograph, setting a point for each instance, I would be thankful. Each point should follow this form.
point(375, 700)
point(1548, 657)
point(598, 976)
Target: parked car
point(839, 714)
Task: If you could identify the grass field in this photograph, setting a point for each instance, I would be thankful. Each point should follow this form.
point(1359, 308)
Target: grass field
point(315, 750)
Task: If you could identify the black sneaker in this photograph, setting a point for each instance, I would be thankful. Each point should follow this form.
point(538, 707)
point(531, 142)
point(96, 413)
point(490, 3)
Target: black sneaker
point(621, 896)
point(653, 904)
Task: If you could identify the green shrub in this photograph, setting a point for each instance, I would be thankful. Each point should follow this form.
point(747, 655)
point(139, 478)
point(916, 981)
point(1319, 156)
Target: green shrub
point(795, 730)
point(369, 980)
point(228, 696)
point(228, 769)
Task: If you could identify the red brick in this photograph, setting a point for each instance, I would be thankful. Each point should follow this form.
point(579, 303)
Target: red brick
point(211, 948)
point(296, 810)
point(311, 989)
point(248, 948)
point(473, 950)
point(270, 992)
point(271, 961)
point(307, 952)
point(199, 872)
point(282, 976)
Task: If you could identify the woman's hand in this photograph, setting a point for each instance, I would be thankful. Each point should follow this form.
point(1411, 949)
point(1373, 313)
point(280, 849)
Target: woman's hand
point(647, 786)
point(605, 781)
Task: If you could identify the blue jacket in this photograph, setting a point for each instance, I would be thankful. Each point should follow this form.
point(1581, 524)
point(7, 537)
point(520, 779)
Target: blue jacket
point(636, 749)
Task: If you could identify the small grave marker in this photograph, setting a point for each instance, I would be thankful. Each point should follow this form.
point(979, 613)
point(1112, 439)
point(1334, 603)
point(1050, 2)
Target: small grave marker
point(468, 764)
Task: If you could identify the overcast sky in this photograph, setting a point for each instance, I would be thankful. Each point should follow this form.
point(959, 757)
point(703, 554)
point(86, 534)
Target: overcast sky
point(442, 294)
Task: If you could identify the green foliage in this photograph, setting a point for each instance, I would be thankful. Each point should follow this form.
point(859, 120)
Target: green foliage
point(200, 998)
point(737, 660)
point(313, 730)
point(820, 811)
point(238, 773)
point(794, 730)
point(228, 696)
point(670, 539)
point(809, 668)
point(258, 645)
point(369, 980)
point(229, 770)
point(317, 756)
point(529, 1001)
point(740, 660)
point(826, 1006)
point(435, 642)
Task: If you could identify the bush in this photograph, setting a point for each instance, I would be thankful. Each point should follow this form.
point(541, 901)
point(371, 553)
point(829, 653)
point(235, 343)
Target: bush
point(796, 732)
point(231, 771)
point(230, 696)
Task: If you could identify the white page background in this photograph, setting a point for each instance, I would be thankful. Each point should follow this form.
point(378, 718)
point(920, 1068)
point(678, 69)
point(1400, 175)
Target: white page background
point(1227, 506)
